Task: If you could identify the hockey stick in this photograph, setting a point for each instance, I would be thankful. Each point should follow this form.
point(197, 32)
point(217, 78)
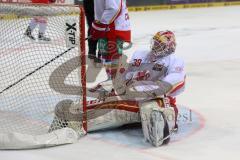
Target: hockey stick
point(37, 69)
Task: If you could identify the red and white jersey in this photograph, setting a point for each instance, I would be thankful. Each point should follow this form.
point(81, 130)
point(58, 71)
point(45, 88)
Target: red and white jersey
point(169, 69)
point(114, 12)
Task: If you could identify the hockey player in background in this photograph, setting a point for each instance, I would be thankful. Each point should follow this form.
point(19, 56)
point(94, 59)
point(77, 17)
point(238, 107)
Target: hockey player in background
point(38, 20)
point(111, 28)
point(92, 44)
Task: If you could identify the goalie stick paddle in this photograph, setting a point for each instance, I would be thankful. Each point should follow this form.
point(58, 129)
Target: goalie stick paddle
point(37, 69)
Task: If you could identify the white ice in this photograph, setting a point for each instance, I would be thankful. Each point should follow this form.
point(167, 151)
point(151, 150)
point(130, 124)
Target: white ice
point(208, 41)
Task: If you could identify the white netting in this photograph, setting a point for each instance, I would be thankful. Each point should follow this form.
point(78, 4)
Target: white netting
point(37, 76)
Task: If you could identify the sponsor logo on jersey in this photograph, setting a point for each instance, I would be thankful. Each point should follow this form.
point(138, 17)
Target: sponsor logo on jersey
point(158, 67)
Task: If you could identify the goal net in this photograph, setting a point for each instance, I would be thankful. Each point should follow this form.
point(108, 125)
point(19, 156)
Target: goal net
point(39, 76)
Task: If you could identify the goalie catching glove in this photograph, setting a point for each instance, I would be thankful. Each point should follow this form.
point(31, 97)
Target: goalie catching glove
point(105, 89)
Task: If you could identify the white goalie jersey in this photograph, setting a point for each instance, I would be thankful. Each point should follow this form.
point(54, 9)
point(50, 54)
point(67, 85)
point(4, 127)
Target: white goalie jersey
point(167, 70)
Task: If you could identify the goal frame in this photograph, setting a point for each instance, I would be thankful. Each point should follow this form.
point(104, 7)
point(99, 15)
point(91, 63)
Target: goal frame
point(83, 66)
point(82, 55)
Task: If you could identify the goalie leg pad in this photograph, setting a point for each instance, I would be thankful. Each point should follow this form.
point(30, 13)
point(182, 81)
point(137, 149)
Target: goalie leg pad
point(154, 123)
point(68, 115)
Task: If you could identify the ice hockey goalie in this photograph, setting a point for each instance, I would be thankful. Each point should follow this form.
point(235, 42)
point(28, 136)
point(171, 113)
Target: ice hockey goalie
point(146, 92)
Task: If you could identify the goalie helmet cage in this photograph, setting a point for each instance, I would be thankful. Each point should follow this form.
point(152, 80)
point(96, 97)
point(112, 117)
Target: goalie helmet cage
point(37, 77)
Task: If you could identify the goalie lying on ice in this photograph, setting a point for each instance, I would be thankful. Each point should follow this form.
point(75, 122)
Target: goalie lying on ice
point(147, 89)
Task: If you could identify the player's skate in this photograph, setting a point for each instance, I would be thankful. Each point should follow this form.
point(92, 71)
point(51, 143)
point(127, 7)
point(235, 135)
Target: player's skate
point(28, 33)
point(98, 59)
point(41, 37)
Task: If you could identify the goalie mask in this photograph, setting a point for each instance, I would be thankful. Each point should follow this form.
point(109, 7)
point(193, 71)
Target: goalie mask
point(163, 43)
